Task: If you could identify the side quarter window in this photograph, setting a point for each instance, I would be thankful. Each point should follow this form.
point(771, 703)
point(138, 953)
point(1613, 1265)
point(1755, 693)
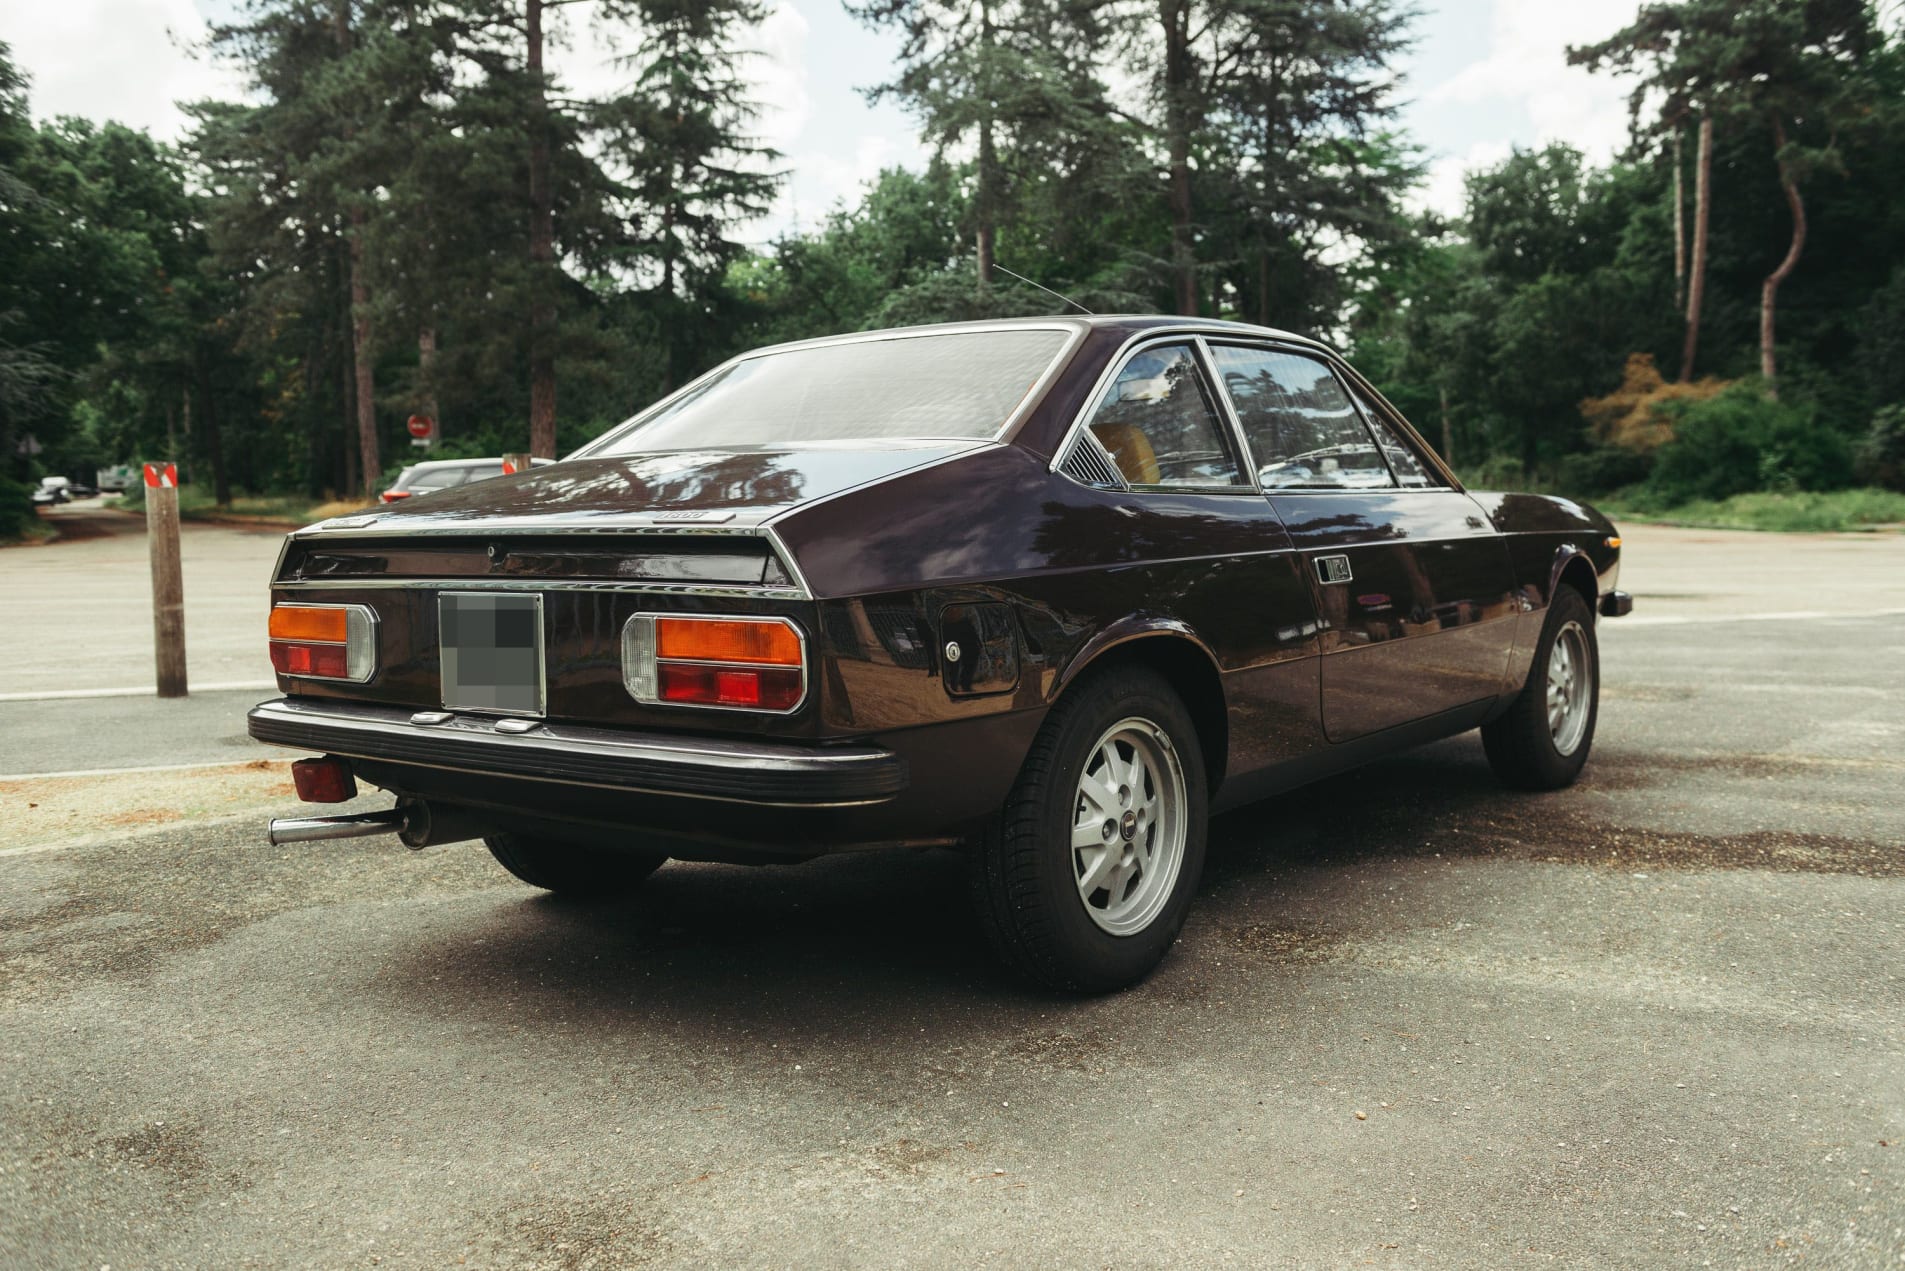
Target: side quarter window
point(1160, 425)
point(1411, 472)
point(1303, 430)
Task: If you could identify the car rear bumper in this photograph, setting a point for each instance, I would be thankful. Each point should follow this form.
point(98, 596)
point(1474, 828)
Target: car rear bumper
point(555, 755)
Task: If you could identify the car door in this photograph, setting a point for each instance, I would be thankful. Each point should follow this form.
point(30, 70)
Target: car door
point(1412, 583)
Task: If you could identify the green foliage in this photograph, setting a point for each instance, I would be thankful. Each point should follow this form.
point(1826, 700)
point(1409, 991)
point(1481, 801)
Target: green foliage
point(1818, 513)
point(1603, 469)
point(16, 509)
point(1742, 441)
point(1880, 457)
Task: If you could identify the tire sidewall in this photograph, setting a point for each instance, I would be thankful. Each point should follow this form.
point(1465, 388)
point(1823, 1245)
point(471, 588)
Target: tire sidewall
point(1094, 957)
point(1568, 606)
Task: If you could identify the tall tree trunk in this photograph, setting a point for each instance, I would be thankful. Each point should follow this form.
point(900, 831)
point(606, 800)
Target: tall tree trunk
point(426, 374)
point(214, 444)
point(1175, 17)
point(365, 390)
point(1697, 281)
point(1263, 286)
point(1679, 227)
point(542, 254)
point(987, 202)
point(369, 461)
point(1769, 290)
point(988, 192)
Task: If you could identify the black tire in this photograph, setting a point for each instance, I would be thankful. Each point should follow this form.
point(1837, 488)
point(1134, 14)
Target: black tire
point(1025, 874)
point(1521, 744)
point(570, 870)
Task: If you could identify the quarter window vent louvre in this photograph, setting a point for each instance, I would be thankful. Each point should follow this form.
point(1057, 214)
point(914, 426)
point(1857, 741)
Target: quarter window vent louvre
point(1087, 465)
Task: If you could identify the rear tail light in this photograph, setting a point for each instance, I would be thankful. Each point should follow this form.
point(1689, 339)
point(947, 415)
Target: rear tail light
point(752, 664)
point(324, 642)
point(391, 496)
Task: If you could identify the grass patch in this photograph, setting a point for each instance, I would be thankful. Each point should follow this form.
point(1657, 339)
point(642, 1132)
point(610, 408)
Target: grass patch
point(1797, 512)
point(289, 510)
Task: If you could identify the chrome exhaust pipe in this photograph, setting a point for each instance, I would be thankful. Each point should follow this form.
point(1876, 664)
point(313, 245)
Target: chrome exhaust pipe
point(414, 821)
point(320, 829)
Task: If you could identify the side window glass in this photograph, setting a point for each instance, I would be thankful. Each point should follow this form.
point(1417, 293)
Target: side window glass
point(1303, 430)
point(1159, 425)
point(1411, 472)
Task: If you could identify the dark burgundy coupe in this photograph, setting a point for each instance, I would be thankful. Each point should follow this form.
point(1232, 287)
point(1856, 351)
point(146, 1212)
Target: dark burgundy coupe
point(1047, 591)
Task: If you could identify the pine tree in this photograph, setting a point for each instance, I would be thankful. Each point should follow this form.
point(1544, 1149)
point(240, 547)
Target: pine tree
point(677, 142)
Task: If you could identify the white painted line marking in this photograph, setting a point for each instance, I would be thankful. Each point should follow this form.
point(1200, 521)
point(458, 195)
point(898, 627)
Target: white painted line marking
point(231, 686)
point(1790, 615)
point(115, 772)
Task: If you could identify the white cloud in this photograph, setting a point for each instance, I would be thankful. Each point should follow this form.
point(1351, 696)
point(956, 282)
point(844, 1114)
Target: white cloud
point(778, 69)
point(114, 59)
point(1525, 67)
point(1443, 191)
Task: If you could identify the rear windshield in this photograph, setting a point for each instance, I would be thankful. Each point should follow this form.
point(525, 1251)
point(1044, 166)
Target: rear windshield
point(959, 384)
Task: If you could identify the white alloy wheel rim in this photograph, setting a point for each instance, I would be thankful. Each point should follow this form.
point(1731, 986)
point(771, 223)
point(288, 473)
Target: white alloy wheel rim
point(1129, 826)
point(1570, 688)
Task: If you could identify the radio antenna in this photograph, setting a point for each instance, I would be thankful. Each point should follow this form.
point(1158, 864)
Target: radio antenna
point(1042, 287)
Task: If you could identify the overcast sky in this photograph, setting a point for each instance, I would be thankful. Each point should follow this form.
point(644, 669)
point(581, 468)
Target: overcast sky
point(1486, 75)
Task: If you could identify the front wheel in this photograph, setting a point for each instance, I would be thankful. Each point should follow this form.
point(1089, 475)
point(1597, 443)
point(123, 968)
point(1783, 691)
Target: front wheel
point(569, 869)
point(1543, 739)
point(1085, 880)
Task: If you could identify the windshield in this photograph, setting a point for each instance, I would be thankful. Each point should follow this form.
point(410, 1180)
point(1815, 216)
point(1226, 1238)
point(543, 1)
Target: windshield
point(956, 384)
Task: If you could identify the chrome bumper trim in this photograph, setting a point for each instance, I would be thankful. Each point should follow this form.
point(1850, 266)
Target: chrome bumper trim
point(763, 774)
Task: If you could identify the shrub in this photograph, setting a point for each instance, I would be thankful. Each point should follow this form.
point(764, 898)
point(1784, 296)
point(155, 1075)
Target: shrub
point(1638, 415)
point(16, 508)
point(1602, 469)
point(1881, 455)
point(1740, 441)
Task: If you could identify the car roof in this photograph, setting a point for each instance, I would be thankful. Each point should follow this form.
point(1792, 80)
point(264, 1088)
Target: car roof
point(1126, 323)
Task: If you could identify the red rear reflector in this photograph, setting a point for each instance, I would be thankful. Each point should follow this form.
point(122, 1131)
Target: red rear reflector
point(329, 660)
point(768, 688)
point(324, 780)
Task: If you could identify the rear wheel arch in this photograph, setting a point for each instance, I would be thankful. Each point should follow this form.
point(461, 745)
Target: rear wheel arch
point(1190, 670)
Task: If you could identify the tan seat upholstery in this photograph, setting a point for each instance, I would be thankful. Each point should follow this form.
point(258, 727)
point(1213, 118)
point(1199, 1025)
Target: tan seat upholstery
point(1131, 451)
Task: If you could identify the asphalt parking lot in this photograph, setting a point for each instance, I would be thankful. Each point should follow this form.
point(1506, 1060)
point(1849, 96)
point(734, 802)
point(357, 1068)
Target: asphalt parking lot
point(1658, 1019)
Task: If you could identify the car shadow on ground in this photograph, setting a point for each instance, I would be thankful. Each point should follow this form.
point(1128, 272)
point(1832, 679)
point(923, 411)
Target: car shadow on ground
point(882, 931)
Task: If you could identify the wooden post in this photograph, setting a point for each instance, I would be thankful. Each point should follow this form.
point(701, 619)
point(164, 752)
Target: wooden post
point(168, 584)
point(516, 463)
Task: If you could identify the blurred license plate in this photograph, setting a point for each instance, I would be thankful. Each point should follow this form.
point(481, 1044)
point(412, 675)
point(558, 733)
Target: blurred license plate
point(492, 651)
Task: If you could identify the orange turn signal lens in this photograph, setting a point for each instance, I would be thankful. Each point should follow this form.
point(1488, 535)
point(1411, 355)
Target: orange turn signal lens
point(301, 622)
point(766, 643)
point(1613, 540)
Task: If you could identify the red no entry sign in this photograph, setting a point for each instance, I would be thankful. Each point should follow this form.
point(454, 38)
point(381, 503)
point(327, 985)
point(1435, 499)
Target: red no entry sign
point(163, 474)
point(421, 427)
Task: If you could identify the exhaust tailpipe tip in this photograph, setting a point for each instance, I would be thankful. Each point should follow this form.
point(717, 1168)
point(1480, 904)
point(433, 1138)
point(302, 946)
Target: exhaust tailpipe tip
point(320, 829)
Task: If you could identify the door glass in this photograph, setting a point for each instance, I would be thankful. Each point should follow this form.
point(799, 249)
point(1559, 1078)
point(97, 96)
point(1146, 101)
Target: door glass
point(1159, 425)
point(1411, 472)
point(1304, 432)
